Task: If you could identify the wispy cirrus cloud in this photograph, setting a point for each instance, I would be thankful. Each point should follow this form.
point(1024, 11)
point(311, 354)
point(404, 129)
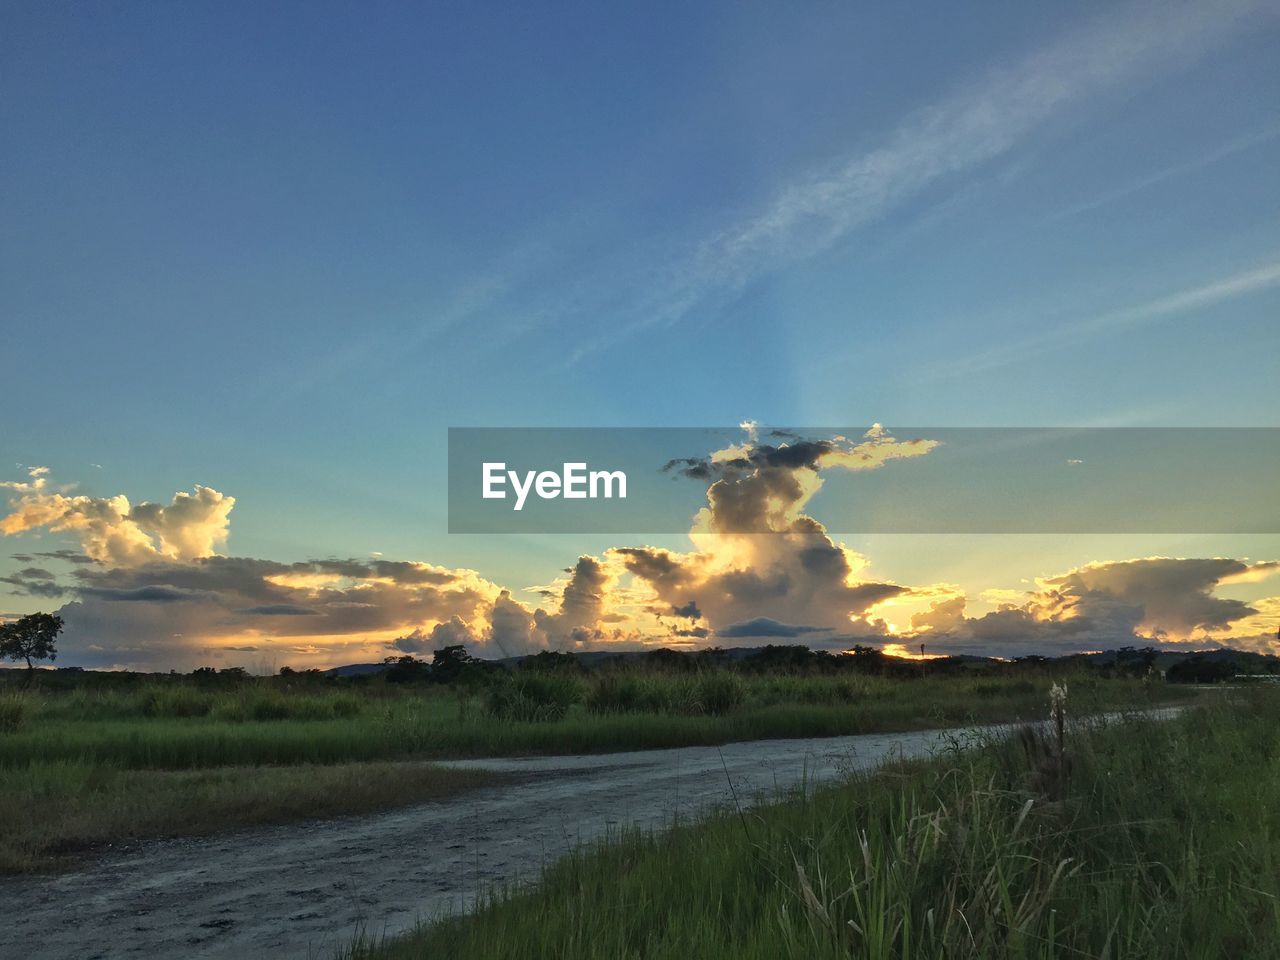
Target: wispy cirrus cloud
point(957, 134)
point(1205, 158)
point(1244, 283)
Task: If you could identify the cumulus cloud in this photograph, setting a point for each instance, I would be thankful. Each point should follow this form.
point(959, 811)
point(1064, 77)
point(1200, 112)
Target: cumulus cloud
point(448, 633)
point(37, 480)
point(1105, 604)
point(158, 575)
point(760, 558)
point(167, 612)
point(763, 488)
point(112, 530)
point(150, 592)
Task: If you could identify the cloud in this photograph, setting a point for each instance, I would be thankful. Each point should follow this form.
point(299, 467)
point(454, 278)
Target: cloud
point(34, 582)
point(449, 633)
point(280, 610)
point(144, 609)
point(172, 613)
point(582, 607)
point(151, 593)
point(67, 556)
point(1169, 596)
point(766, 627)
point(113, 531)
point(37, 480)
point(338, 608)
point(877, 448)
point(760, 559)
point(511, 627)
point(764, 488)
point(1059, 335)
point(957, 134)
point(689, 610)
point(1105, 604)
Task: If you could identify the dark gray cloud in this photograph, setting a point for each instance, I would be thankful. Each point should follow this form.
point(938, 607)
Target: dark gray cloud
point(689, 610)
point(67, 556)
point(281, 610)
point(789, 456)
point(151, 593)
point(766, 627)
point(34, 582)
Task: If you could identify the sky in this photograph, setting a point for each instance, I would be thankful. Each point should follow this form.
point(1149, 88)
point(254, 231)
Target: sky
point(270, 255)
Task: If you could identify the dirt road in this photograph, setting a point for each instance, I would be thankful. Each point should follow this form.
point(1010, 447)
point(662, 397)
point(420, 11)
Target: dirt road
point(299, 891)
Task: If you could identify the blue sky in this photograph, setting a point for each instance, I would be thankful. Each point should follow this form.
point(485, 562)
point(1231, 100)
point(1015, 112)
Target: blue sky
point(277, 250)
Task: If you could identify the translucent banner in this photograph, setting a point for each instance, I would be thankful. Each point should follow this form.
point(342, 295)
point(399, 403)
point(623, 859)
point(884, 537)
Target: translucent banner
point(866, 479)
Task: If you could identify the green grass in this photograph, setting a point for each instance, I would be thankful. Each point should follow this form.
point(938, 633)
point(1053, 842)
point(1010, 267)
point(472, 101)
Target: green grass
point(1165, 844)
point(50, 812)
point(177, 727)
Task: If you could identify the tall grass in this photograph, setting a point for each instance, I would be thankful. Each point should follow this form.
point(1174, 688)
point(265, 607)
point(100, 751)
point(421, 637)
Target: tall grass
point(238, 704)
point(13, 711)
point(1163, 842)
point(185, 727)
point(716, 692)
point(534, 696)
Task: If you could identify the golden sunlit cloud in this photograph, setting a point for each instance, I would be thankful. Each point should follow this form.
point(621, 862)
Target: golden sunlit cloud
point(156, 593)
point(112, 531)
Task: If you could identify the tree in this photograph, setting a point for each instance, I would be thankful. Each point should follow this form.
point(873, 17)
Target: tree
point(405, 669)
point(448, 663)
point(30, 638)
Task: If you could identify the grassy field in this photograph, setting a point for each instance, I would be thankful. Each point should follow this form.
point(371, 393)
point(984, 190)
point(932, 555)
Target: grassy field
point(52, 810)
point(93, 765)
point(1145, 839)
point(176, 726)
